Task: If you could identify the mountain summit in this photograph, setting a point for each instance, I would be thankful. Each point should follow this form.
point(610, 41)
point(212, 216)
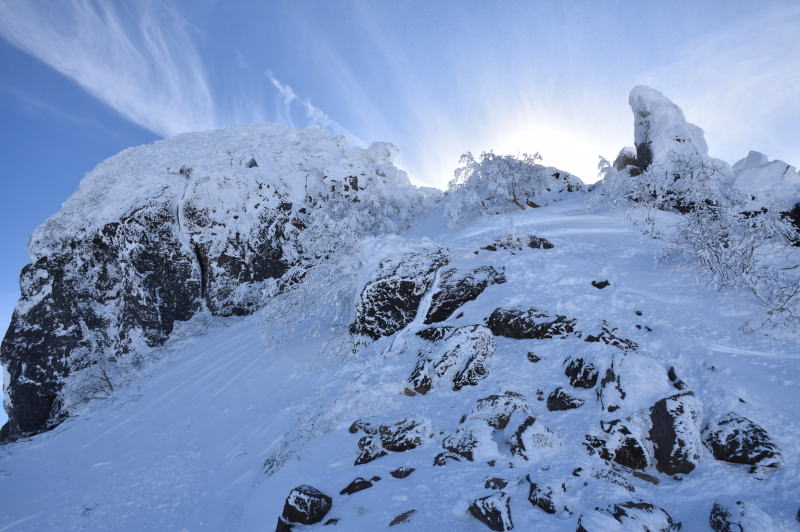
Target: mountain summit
point(265, 327)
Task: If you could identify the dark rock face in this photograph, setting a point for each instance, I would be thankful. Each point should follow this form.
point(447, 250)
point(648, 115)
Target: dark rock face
point(608, 336)
point(397, 437)
point(561, 400)
point(622, 446)
point(358, 484)
point(305, 505)
point(633, 515)
point(736, 439)
point(106, 282)
point(542, 497)
point(530, 324)
point(402, 518)
point(495, 483)
point(675, 433)
point(389, 301)
point(402, 472)
point(457, 288)
point(581, 373)
point(731, 515)
point(435, 333)
point(461, 359)
point(493, 511)
point(517, 243)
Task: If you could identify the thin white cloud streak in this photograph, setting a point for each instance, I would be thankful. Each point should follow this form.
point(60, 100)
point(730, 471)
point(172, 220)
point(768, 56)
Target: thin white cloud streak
point(739, 82)
point(318, 117)
point(142, 63)
point(283, 108)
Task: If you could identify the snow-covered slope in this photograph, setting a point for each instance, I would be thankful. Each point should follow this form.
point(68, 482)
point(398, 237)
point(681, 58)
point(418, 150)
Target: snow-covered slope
point(263, 327)
point(224, 426)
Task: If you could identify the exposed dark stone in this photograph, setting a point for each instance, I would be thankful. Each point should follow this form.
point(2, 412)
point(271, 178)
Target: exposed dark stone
point(461, 443)
point(608, 336)
point(370, 449)
point(533, 357)
point(529, 324)
point(736, 439)
point(306, 505)
point(332, 521)
point(537, 242)
point(493, 511)
point(624, 448)
point(561, 400)
point(496, 410)
point(675, 433)
point(363, 426)
point(404, 435)
point(252, 163)
point(581, 374)
point(541, 497)
point(636, 516)
point(529, 436)
point(461, 359)
point(673, 378)
point(402, 472)
point(389, 301)
point(435, 332)
point(358, 484)
point(442, 458)
point(731, 515)
point(456, 288)
point(518, 243)
point(402, 518)
point(601, 284)
point(495, 483)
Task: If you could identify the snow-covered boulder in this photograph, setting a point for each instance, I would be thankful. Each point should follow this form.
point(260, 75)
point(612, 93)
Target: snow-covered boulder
point(493, 511)
point(561, 400)
point(531, 323)
point(731, 515)
point(305, 505)
point(459, 359)
point(456, 288)
point(660, 128)
point(735, 439)
point(153, 235)
point(580, 372)
point(675, 433)
point(771, 184)
point(390, 300)
point(630, 516)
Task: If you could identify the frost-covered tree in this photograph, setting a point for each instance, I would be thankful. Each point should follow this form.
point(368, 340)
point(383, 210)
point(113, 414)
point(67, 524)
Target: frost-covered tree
point(496, 184)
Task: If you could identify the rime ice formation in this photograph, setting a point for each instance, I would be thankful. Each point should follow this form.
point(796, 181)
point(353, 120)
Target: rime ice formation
point(264, 327)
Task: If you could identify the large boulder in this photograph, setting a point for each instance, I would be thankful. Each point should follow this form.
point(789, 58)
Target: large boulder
point(735, 439)
point(390, 300)
point(460, 359)
point(529, 323)
point(632, 516)
point(733, 515)
point(305, 505)
point(675, 433)
point(493, 511)
point(456, 288)
point(204, 221)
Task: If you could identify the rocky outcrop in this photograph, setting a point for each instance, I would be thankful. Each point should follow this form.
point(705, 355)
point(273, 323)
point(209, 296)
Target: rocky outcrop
point(675, 433)
point(456, 288)
point(493, 511)
point(731, 515)
point(561, 400)
point(459, 359)
point(529, 324)
point(396, 437)
point(736, 439)
point(160, 232)
point(629, 516)
point(305, 505)
point(390, 300)
point(580, 372)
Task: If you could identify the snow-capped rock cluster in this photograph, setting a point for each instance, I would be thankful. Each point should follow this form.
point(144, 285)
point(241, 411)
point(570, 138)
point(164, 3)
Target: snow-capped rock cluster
point(527, 371)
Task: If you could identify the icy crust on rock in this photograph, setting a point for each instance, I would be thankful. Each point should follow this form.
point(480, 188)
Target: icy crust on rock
point(219, 221)
point(660, 128)
point(226, 165)
point(771, 184)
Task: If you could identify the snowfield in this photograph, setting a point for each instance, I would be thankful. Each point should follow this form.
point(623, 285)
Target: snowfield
point(215, 434)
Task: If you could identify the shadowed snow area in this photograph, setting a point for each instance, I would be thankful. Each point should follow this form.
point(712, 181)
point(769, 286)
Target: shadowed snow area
point(223, 426)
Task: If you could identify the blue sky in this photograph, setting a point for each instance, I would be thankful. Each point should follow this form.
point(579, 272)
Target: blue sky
point(80, 80)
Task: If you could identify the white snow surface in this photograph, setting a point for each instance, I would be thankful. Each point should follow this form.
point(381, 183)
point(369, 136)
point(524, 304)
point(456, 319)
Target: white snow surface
point(293, 161)
point(771, 184)
point(183, 447)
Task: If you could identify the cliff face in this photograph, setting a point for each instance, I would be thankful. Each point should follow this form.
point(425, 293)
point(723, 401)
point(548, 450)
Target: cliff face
point(160, 232)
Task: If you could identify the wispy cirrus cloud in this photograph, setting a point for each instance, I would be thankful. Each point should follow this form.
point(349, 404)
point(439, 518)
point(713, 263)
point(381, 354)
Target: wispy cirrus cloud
point(137, 57)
